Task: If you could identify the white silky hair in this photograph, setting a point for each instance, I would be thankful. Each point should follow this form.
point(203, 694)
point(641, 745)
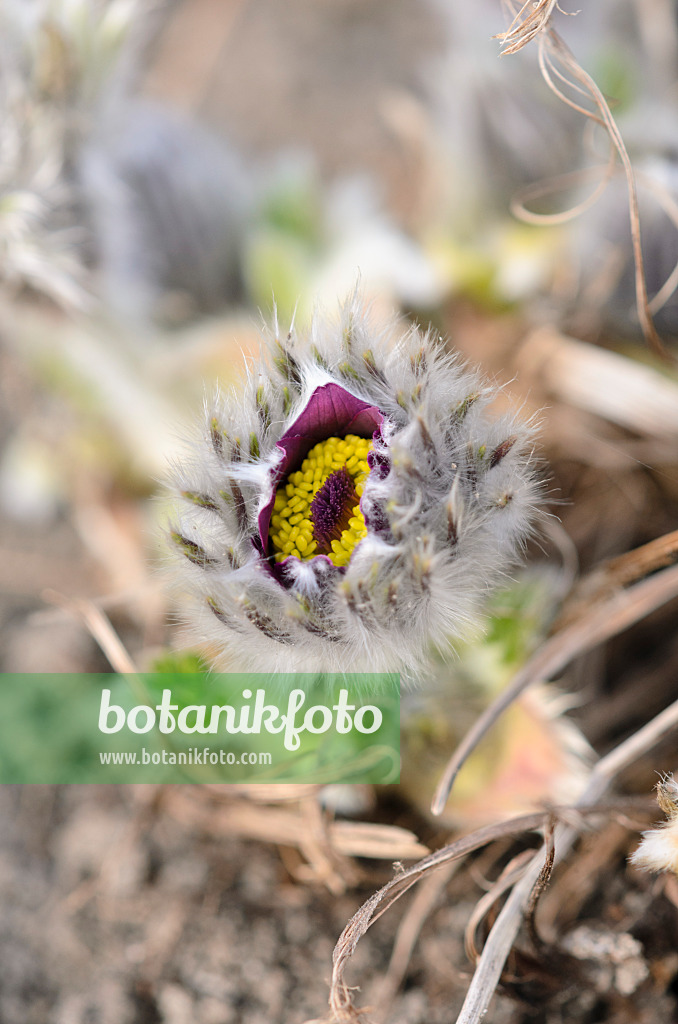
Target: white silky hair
point(658, 850)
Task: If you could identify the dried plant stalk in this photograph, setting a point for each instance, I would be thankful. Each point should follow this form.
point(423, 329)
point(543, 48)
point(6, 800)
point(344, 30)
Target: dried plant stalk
point(289, 827)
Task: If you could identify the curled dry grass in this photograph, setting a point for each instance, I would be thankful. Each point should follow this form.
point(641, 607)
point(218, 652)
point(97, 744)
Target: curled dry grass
point(566, 78)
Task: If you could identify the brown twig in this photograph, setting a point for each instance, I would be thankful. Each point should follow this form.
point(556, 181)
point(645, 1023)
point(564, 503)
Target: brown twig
point(616, 573)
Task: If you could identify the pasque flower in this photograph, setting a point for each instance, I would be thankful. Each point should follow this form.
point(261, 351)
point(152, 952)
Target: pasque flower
point(351, 504)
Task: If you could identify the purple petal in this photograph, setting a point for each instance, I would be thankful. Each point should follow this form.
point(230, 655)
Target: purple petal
point(331, 412)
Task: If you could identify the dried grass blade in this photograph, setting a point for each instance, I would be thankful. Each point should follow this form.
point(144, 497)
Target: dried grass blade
point(621, 571)
point(550, 44)
point(508, 878)
point(552, 186)
point(541, 883)
point(670, 207)
point(369, 839)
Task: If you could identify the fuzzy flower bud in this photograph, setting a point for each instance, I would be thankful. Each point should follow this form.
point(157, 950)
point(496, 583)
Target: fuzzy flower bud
point(351, 504)
point(658, 850)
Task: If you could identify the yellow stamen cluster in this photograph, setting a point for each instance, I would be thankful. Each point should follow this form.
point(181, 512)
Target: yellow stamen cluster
point(291, 529)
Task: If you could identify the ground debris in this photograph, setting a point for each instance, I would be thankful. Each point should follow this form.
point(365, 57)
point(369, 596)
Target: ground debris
point(618, 959)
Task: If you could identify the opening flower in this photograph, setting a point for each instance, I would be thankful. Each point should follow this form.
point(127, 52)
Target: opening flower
point(352, 504)
point(317, 511)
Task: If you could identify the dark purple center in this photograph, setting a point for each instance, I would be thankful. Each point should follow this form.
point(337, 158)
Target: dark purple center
point(332, 508)
point(332, 411)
